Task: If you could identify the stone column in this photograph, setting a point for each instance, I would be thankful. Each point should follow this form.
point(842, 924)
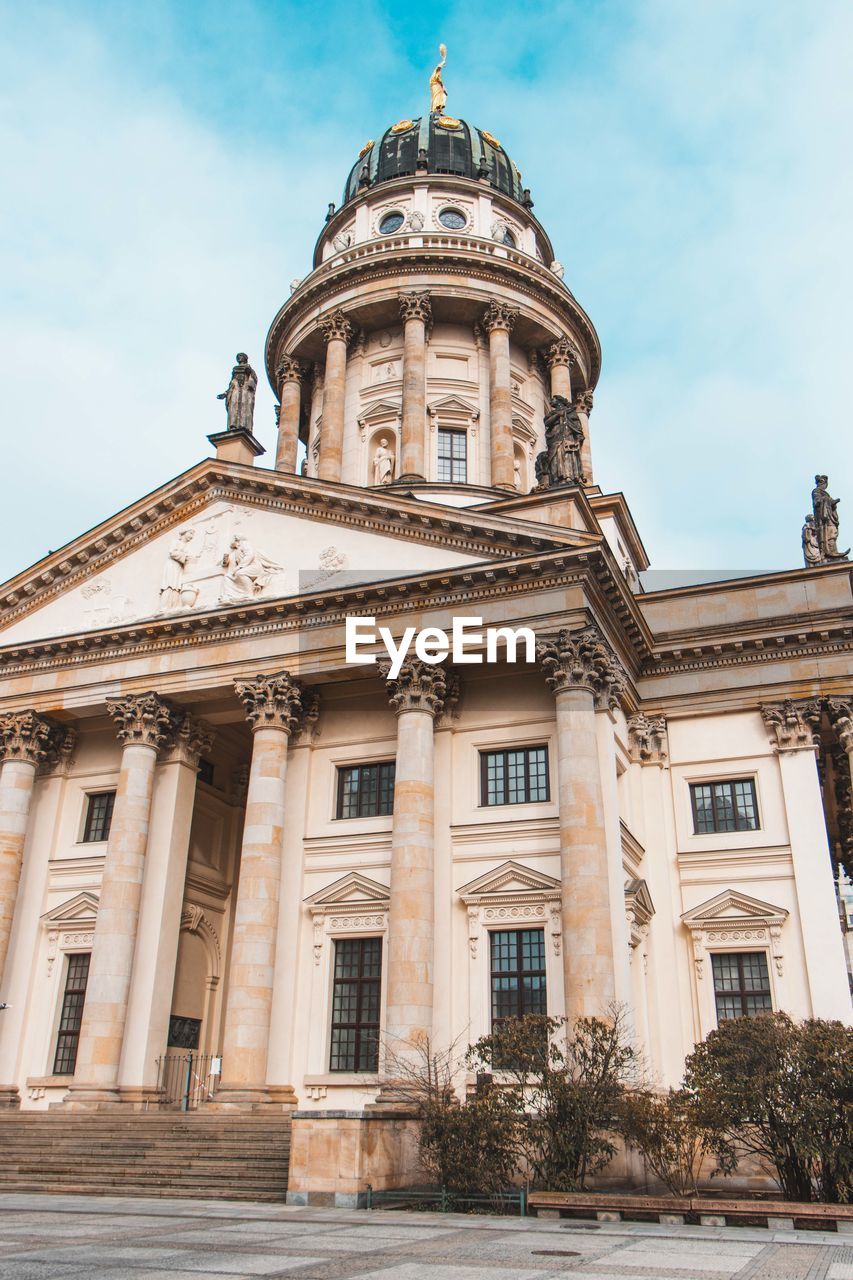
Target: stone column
point(274, 706)
point(289, 374)
point(583, 671)
point(793, 728)
point(150, 1000)
point(27, 740)
point(560, 357)
point(498, 322)
point(337, 332)
point(144, 723)
point(417, 696)
point(415, 310)
point(583, 404)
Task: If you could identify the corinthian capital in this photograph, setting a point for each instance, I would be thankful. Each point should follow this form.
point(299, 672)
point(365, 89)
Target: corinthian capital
point(33, 738)
point(415, 306)
point(419, 687)
point(840, 712)
point(336, 325)
point(272, 702)
point(499, 315)
point(560, 352)
point(647, 739)
point(583, 403)
point(289, 369)
point(192, 739)
point(582, 660)
point(143, 719)
point(793, 725)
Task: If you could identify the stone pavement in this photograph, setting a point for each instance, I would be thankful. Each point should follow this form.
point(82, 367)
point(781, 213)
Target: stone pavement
point(47, 1237)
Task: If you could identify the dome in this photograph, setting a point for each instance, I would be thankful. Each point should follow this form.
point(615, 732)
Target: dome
point(435, 144)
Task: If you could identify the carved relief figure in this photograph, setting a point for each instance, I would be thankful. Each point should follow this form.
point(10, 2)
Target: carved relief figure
point(438, 93)
point(383, 463)
point(811, 546)
point(247, 571)
point(174, 594)
point(563, 439)
point(240, 396)
point(826, 520)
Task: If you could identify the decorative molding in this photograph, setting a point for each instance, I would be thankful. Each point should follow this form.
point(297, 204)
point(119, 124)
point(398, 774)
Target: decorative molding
point(731, 919)
point(561, 352)
point(639, 910)
point(647, 739)
point(415, 306)
point(70, 926)
point(582, 660)
point(354, 903)
point(143, 719)
point(289, 369)
point(336, 325)
point(499, 315)
point(840, 712)
point(583, 402)
point(513, 894)
point(272, 702)
point(793, 726)
point(192, 739)
point(195, 920)
point(420, 686)
point(36, 739)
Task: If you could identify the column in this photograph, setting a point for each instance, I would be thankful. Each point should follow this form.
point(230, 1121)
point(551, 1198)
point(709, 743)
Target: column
point(275, 709)
point(337, 332)
point(498, 322)
point(581, 670)
point(560, 357)
point(150, 1000)
point(20, 734)
point(143, 724)
point(794, 728)
point(289, 374)
point(583, 404)
point(27, 740)
point(417, 696)
point(415, 310)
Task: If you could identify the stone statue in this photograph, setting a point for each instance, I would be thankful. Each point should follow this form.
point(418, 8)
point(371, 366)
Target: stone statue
point(811, 546)
point(173, 593)
point(563, 441)
point(240, 396)
point(437, 90)
point(383, 463)
point(826, 521)
point(516, 473)
point(247, 571)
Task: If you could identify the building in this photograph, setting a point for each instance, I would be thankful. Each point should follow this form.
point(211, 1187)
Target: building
point(218, 835)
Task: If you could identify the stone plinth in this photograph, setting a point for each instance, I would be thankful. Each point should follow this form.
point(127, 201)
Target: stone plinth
point(334, 1155)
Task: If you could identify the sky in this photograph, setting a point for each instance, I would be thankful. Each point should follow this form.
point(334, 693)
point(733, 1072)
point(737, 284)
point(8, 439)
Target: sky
point(167, 169)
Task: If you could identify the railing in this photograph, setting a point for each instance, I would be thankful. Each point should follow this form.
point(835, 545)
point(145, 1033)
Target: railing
point(188, 1079)
point(440, 1200)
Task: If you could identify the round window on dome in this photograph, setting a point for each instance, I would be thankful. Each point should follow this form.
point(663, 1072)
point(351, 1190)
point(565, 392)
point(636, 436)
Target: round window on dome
point(391, 222)
point(453, 219)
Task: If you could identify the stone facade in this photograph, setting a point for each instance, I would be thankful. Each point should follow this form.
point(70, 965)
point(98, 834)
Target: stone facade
point(186, 658)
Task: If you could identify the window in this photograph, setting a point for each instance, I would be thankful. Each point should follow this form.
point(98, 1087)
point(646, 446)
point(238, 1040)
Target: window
point(509, 238)
point(518, 973)
point(514, 777)
point(99, 815)
point(390, 223)
point(366, 790)
point(453, 219)
point(73, 1000)
point(724, 806)
point(355, 1005)
point(741, 984)
point(453, 456)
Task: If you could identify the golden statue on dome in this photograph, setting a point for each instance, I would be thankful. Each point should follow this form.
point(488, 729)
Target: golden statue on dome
point(436, 84)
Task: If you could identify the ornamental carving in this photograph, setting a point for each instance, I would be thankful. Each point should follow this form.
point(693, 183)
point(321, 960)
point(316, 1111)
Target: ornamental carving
point(499, 315)
point(193, 739)
point(272, 702)
point(583, 402)
point(840, 713)
point(415, 306)
point(561, 352)
point(729, 920)
point(419, 687)
point(793, 725)
point(647, 739)
point(143, 719)
point(582, 660)
point(35, 739)
point(308, 731)
point(289, 370)
point(336, 325)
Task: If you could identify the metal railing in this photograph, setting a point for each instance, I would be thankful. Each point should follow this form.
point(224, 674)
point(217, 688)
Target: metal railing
point(440, 1200)
point(188, 1079)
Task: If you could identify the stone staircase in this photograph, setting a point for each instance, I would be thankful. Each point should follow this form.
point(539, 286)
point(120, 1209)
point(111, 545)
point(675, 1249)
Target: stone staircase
point(206, 1155)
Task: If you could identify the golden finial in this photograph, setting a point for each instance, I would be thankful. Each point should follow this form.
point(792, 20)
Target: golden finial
point(436, 84)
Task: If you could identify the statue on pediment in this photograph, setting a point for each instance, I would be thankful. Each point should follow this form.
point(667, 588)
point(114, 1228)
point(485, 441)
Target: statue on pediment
point(825, 510)
point(247, 572)
point(812, 553)
point(174, 592)
point(240, 395)
point(560, 462)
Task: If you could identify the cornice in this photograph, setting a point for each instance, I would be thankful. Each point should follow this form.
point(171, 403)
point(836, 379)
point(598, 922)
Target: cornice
point(707, 655)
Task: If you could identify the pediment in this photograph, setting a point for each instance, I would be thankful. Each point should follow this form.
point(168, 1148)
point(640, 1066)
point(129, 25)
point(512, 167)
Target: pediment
point(638, 900)
point(352, 891)
point(510, 880)
point(732, 908)
point(452, 404)
point(381, 411)
point(79, 910)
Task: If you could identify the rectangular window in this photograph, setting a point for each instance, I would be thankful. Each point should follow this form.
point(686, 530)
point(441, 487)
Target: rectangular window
point(453, 456)
point(514, 777)
point(366, 790)
point(724, 806)
point(355, 1005)
point(518, 973)
point(76, 978)
point(99, 815)
point(741, 984)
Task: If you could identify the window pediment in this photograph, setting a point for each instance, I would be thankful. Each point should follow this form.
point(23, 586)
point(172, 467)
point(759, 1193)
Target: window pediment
point(77, 911)
point(735, 921)
point(511, 896)
point(353, 904)
point(510, 881)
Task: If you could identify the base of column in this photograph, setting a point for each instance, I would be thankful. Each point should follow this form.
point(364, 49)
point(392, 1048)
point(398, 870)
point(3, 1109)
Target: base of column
point(90, 1097)
point(10, 1099)
point(247, 1097)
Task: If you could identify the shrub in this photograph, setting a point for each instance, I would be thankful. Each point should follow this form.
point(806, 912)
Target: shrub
point(674, 1137)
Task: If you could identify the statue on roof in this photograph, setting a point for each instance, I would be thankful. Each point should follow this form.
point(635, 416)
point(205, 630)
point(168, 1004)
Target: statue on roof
point(436, 85)
point(825, 521)
point(560, 461)
point(240, 395)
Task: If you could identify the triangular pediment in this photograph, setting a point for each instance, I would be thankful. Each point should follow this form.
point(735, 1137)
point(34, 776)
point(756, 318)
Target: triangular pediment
point(638, 899)
point(351, 891)
point(82, 909)
point(510, 879)
point(732, 907)
point(381, 411)
point(451, 404)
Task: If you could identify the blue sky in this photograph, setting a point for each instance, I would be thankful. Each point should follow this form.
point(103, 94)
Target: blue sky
point(167, 167)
